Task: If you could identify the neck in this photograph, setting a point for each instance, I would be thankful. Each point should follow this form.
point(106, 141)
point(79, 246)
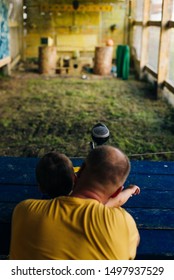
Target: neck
point(87, 194)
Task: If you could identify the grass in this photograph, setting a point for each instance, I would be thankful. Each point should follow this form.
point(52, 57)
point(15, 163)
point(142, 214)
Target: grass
point(40, 114)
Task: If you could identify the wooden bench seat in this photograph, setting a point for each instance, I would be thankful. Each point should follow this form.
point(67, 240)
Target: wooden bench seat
point(153, 209)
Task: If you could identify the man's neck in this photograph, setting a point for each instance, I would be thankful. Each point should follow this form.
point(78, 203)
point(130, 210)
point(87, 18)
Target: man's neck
point(87, 194)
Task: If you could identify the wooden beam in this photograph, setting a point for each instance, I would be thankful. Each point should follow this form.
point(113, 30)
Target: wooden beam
point(5, 61)
point(46, 7)
point(150, 71)
point(129, 21)
point(169, 86)
point(144, 39)
point(136, 22)
point(15, 61)
point(163, 57)
point(171, 24)
point(148, 23)
point(154, 23)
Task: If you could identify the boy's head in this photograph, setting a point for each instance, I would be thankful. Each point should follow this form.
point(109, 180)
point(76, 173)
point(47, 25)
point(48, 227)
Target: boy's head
point(54, 174)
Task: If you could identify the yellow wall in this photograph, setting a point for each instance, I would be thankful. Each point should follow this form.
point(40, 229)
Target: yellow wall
point(72, 30)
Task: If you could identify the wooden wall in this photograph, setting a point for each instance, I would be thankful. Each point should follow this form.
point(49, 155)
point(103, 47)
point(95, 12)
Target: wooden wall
point(73, 30)
point(156, 25)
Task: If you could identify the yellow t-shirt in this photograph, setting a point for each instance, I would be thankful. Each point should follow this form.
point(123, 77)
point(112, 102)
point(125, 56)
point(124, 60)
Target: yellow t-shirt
point(70, 228)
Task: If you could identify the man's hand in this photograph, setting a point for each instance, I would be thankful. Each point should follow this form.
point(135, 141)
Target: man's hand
point(134, 189)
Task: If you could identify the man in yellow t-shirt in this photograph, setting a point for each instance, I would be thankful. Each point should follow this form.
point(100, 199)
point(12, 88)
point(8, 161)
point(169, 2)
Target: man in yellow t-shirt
point(80, 226)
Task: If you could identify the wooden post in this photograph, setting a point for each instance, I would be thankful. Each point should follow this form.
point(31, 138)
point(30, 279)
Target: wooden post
point(129, 21)
point(144, 40)
point(163, 57)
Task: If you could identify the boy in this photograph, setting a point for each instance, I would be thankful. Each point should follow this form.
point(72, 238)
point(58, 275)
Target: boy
point(55, 174)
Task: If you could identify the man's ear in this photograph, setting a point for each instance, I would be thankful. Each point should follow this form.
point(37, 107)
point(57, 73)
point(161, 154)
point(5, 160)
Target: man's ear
point(117, 191)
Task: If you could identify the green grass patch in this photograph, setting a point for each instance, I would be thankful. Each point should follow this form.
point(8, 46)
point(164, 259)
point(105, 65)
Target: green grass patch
point(38, 115)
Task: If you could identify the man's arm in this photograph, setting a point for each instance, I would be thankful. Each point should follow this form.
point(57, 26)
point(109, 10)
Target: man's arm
point(123, 196)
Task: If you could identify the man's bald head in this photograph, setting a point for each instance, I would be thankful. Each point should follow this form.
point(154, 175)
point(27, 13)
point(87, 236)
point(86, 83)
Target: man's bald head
point(107, 164)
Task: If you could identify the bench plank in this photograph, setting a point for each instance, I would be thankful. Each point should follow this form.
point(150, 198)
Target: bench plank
point(147, 199)
point(153, 218)
point(15, 170)
point(156, 244)
point(153, 181)
point(21, 192)
point(152, 167)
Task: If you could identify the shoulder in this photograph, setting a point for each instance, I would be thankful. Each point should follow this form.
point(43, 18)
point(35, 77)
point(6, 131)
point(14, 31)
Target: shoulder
point(29, 205)
point(130, 224)
point(26, 203)
point(128, 217)
point(120, 215)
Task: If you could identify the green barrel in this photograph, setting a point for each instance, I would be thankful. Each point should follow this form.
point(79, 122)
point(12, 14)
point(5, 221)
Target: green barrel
point(123, 61)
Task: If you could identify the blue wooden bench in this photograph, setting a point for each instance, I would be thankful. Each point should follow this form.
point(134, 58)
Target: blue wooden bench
point(153, 209)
